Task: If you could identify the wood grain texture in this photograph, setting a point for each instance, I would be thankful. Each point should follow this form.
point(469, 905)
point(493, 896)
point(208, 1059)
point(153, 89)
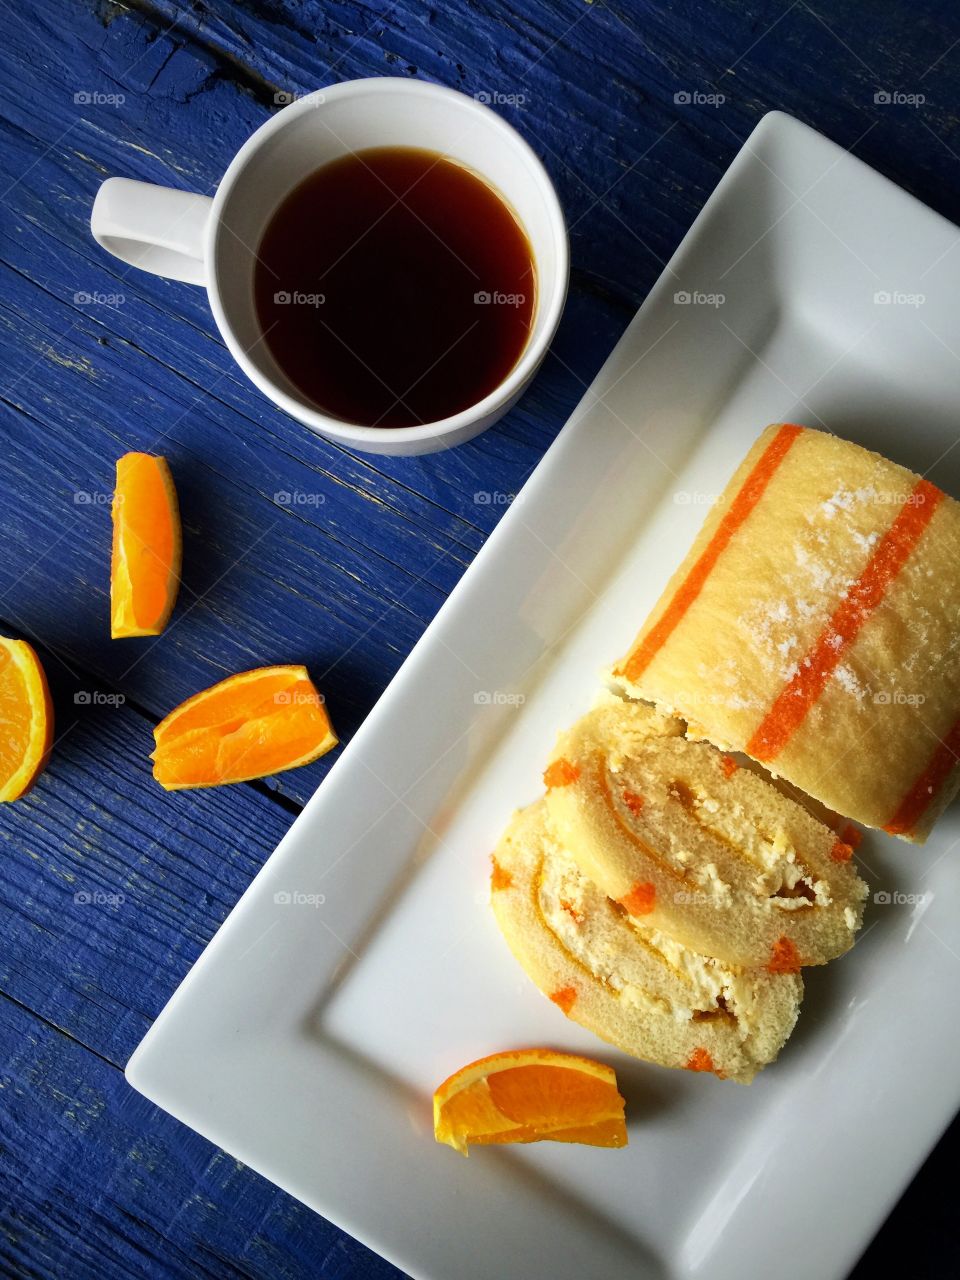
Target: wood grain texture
point(297, 550)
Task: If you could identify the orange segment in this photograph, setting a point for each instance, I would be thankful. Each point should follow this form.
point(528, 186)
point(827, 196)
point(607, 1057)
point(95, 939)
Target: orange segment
point(247, 726)
point(530, 1095)
point(26, 718)
point(145, 566)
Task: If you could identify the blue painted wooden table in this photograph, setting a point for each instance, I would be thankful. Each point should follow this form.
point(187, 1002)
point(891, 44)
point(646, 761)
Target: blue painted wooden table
point(109, 889)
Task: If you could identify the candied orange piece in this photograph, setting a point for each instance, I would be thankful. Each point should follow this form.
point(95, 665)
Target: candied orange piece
point(560, 774)
point(500, 877)
point(633, 802)
point(530, 1095)
point(565, 998)
point(784, 957)
point(247, 726)
point(26, 718)
point(641, 899)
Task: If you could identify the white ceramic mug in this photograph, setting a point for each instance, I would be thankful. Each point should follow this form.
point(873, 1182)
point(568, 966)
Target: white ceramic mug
point(214, 241)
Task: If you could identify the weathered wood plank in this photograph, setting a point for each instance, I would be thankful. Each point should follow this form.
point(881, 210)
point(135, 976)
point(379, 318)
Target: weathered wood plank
point(95, 1182)
point(111, 887)
point(92, 1180)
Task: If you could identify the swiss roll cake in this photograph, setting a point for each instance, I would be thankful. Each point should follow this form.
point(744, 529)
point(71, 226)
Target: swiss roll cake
point(625, 980)
point(815, 627)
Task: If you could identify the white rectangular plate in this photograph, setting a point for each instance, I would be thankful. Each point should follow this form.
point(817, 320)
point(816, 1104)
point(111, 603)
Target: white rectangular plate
point(363, 965)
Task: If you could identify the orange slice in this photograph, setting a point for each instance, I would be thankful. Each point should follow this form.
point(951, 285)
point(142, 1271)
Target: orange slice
point(247, 726)
point(530, 1095)
point(26, 718)
point(147, 546)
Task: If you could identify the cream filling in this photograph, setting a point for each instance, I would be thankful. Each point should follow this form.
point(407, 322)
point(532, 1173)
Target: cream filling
point(646, 967)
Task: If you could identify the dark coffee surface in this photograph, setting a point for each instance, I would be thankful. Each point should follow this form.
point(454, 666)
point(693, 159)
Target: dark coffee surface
point(395, 287)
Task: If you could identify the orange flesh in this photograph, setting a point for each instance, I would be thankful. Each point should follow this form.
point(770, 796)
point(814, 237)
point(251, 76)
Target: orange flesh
point(530, 1095)
point(248, 726)
point(26, 718)
point(729, 766)
point(145, 566)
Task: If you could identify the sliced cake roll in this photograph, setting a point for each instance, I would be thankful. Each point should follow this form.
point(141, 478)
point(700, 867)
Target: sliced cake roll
point(684, 839)
point(815, 626)
point(623, 979)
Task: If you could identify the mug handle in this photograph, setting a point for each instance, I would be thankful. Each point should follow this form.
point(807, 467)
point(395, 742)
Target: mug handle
point(157, 229)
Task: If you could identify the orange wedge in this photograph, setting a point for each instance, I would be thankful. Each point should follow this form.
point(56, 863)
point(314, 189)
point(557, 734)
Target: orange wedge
point(530, 1095)
point(26, 718)
point(247, 726)
point(147, 546)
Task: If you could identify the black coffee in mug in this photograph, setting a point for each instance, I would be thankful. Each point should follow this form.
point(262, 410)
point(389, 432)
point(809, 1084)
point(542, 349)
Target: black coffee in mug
point(395, 287)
